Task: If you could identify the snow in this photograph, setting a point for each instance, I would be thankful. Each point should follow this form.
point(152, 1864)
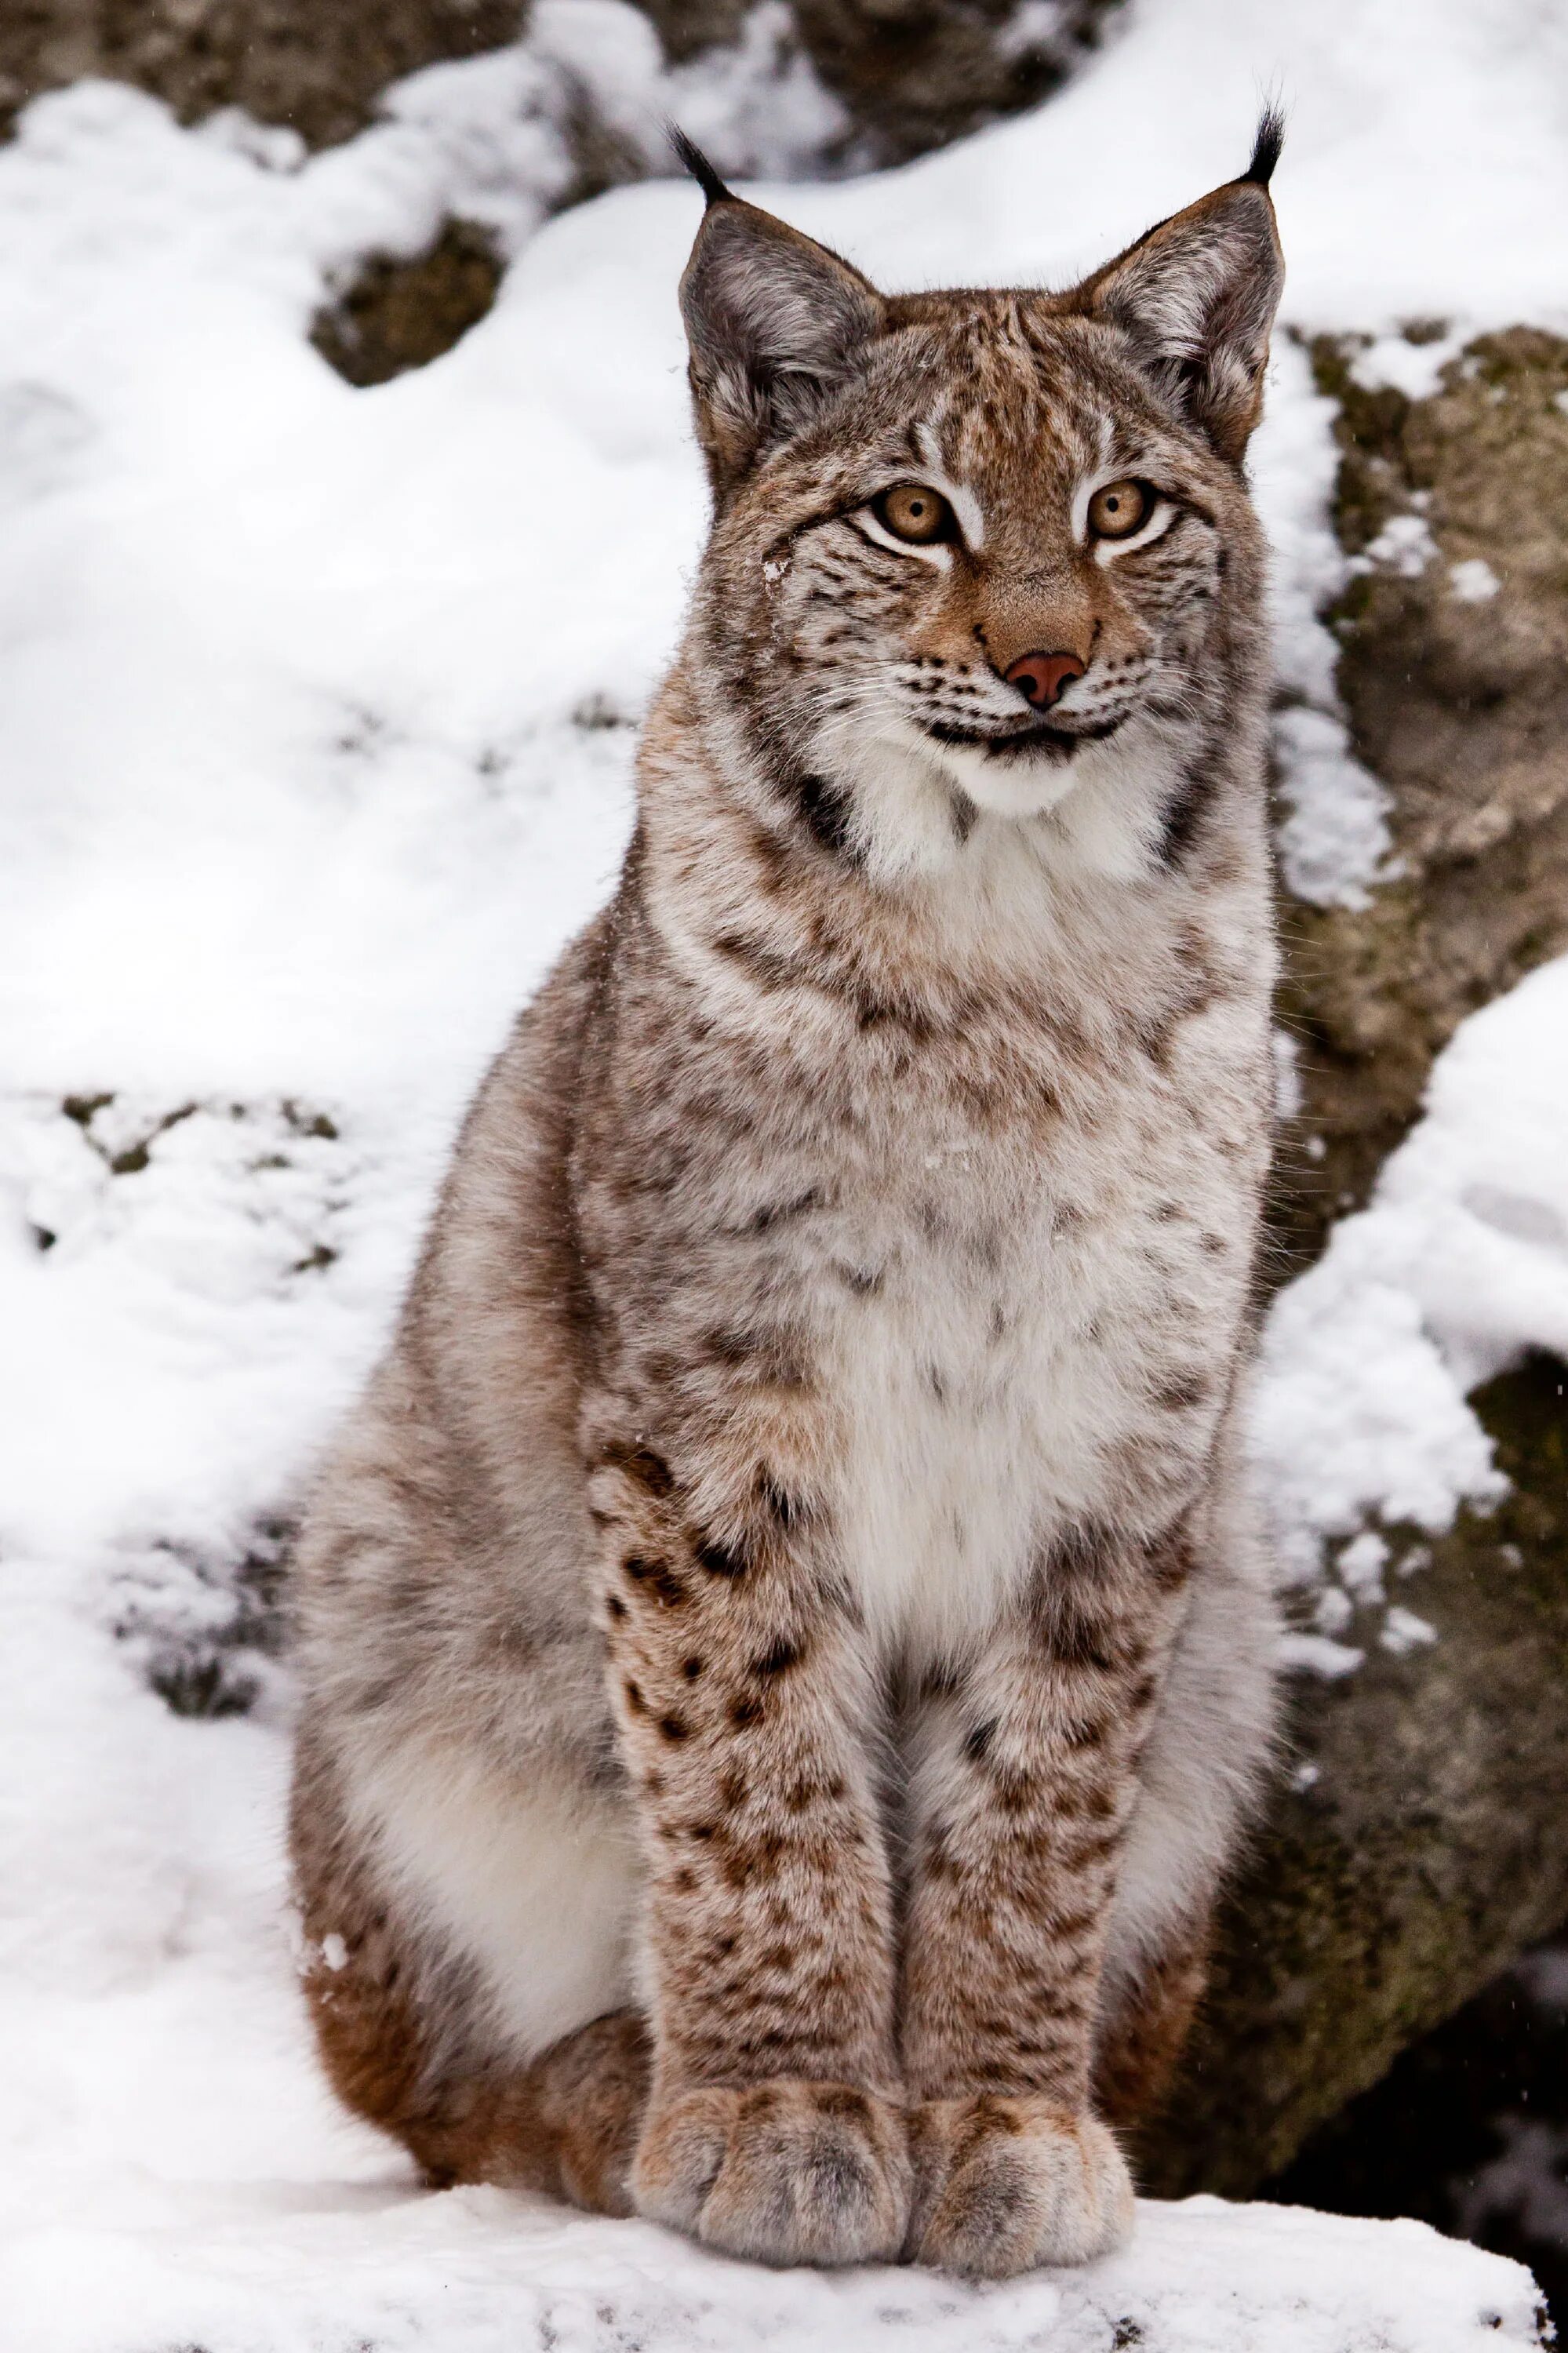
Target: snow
point(1361, 1567)
point(1473, 582)
point(1403, 1632)
point(316, 712)
point(485, 2273)
point(1405, 547)
point(1316, 1654)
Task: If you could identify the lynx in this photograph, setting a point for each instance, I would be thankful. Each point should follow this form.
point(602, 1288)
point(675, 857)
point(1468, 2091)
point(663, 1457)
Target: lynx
point(785, 1649)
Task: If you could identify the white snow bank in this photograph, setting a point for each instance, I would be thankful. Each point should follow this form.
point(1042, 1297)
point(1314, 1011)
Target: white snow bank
point(477, 2272)
point(315, 734)
point(1459, 1263)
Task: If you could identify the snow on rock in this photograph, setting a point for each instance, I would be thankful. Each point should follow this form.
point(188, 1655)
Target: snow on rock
point(494, 139)
point(1458, 1264)
point(1333, 840)
point(316, 711)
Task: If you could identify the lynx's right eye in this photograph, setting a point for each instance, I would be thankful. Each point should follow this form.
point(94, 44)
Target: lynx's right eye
point(911, 512)
point(1119, 509)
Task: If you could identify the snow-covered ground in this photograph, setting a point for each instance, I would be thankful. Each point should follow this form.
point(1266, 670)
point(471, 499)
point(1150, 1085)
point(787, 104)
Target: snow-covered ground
point(275, 2268)
point(316, 714)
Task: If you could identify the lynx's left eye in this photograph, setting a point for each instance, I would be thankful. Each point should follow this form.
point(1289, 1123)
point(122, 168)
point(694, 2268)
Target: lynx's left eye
point(1119, 509)
point(913, 513)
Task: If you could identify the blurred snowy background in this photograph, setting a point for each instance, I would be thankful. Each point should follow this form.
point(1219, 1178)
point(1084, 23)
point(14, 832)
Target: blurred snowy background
point(347, 503)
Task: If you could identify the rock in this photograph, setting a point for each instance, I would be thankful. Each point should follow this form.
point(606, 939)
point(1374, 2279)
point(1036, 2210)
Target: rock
point(402, 314)
point(1428, 1851)
point(1453, 673)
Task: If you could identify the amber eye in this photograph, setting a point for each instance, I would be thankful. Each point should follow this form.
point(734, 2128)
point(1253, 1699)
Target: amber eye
point(1119, 508)
point(913, 513)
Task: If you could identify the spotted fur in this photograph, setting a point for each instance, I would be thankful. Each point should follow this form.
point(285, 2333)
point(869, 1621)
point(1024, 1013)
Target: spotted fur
point(785, 1652)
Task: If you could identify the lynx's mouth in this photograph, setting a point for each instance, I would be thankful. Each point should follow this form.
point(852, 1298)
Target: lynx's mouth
point(1036, 739)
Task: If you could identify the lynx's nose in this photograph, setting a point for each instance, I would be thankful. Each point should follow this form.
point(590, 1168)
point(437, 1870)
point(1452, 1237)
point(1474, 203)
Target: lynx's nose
point(1042, 677)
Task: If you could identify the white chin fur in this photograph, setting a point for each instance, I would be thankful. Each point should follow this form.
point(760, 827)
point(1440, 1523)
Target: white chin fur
point(905, 790)
point(1019, 786)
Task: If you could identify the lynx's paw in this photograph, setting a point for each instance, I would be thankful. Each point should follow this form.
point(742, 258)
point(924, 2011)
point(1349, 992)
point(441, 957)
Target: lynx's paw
point(1003, 2185)
point(784, 2172)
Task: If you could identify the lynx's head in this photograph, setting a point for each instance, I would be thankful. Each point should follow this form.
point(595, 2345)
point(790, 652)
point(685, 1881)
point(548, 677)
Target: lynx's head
point(974, 549)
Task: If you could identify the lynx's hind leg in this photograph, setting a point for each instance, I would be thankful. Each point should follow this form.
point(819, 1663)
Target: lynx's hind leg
point(406, 2032)
point(567, 2124)
point(1142, 2039)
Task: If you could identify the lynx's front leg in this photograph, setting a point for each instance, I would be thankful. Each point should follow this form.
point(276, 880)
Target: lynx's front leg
point(774, 2126)
point(1022, 1799)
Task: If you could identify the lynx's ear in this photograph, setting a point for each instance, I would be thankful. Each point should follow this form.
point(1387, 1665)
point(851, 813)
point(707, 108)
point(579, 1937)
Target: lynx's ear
point(774, 322)
point(1196, 298)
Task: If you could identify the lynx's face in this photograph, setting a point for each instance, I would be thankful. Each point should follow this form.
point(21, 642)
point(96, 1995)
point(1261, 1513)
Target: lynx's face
point(967, 544)
point(988, 554)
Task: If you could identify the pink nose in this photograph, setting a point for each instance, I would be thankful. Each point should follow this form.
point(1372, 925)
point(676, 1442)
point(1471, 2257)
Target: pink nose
point(1042, 677)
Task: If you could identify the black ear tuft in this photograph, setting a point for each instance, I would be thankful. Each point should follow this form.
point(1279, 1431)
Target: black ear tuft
point(1196, 297)
point(697, 164)
point(1266, 147)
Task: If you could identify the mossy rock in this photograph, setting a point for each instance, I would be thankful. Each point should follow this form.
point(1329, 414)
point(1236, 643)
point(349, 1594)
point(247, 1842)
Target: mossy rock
point(1429, 1851)
point(1458, 702)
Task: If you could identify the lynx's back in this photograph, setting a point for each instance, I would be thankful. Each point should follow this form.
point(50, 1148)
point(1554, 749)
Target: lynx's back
point(785, 1652)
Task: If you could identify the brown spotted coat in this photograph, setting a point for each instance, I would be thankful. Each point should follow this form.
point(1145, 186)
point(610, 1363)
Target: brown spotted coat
point(785, 1652)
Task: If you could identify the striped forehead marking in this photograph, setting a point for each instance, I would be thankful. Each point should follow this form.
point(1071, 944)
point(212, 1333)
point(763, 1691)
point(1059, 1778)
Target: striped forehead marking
point(960, 497)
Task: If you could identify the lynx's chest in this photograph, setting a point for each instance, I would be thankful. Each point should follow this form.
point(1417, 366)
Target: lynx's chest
point(1043, 1340)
